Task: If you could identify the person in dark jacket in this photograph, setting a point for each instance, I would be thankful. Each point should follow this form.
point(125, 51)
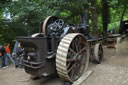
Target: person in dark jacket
point(2, 55)
point(20, 53)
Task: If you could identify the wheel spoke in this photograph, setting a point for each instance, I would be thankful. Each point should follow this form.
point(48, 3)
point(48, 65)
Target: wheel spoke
point(83, 49)
point(71, 60)
point(79, 45)
point(73, 74)
point(71, 68)
point(78, 68)
point(68, 65)
point(72, 51)
point(76, 46)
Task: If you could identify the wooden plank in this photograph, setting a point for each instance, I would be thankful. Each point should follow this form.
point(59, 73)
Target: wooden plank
point(82, 78)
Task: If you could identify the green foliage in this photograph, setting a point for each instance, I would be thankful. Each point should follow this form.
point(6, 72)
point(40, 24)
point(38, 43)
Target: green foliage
point(25, 15)
point(69, 10)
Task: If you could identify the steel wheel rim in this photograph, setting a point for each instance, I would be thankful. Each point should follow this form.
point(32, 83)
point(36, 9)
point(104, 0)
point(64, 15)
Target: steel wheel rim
point(74, 65)
point(62, 58)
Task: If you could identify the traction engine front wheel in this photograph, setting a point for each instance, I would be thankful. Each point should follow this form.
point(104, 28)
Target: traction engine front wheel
point(98, 53)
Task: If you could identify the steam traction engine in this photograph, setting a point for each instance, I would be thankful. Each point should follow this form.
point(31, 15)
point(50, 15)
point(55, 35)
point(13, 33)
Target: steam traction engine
point(61, 48)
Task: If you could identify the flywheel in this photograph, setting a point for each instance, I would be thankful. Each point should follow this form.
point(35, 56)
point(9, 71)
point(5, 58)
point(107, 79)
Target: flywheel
point(52, 26)
point(72, 57)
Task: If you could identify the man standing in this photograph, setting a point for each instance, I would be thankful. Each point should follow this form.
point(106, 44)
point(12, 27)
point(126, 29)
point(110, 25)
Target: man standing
point(18, 54)
point(8, 55)
point(2, 55)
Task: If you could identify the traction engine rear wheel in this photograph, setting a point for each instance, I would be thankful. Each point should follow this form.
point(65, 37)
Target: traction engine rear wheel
point(72, 57)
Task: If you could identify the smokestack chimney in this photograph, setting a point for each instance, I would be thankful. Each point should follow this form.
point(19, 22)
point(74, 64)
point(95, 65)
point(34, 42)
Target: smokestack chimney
point(86, 14)
point(86, 18)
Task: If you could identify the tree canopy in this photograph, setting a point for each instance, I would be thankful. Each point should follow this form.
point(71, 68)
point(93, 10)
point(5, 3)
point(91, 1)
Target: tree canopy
point(22, 17)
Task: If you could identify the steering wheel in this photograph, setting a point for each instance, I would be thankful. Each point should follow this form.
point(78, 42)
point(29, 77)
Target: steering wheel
point(59, 23)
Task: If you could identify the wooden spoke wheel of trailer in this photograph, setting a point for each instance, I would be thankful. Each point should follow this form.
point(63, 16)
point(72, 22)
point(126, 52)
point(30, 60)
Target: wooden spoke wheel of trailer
point(98, 53)
point(72, 57)
point(52, 25)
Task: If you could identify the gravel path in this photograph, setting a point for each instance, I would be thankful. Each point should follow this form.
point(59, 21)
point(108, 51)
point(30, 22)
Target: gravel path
point(112, 71)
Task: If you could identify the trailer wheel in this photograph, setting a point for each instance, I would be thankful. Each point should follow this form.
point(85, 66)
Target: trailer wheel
point(98, 53)
point(72, 57)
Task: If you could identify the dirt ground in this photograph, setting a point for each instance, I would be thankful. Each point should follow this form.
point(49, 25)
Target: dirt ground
point(112, 71)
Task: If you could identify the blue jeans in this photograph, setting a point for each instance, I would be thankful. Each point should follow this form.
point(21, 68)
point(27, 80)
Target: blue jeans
point(8, 55)
point(3, 61)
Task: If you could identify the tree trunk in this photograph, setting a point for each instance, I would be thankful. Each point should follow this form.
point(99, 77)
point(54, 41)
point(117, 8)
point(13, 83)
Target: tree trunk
point(94, 18)
point(105, 16)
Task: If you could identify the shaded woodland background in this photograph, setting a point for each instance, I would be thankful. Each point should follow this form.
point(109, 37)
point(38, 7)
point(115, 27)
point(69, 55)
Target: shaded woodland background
point(22, 17)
